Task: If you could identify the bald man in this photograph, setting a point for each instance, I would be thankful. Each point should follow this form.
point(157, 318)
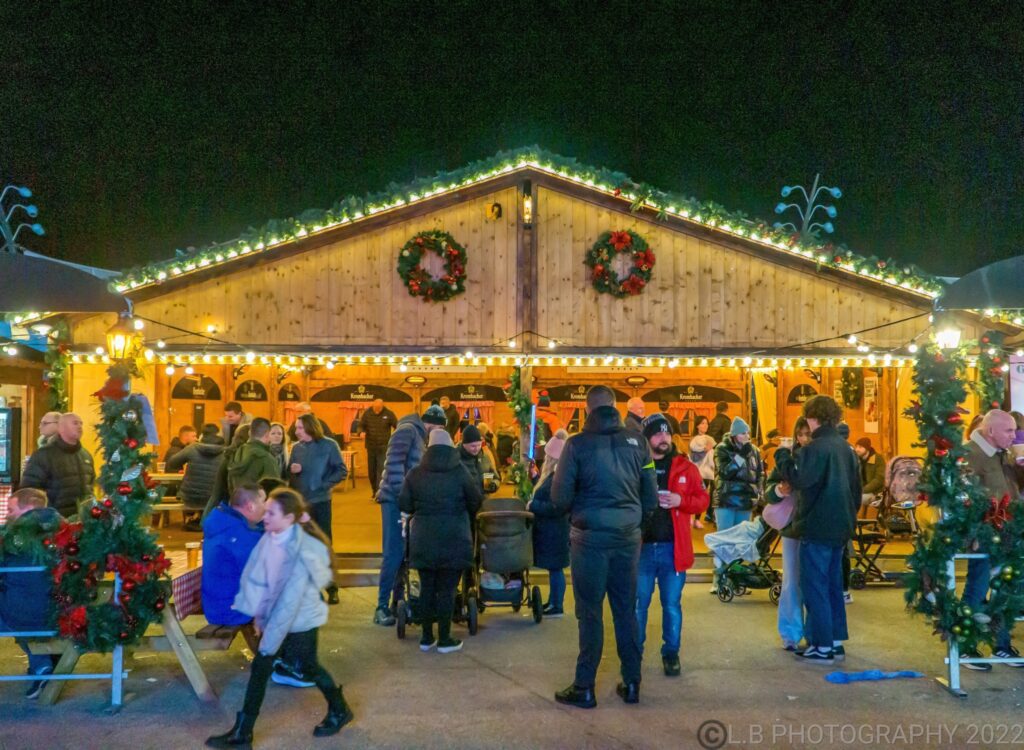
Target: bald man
point(47, 427)
point(63, 468)
point(635, 415)
point(376, 426)
point(989, 460)
point(303, 407)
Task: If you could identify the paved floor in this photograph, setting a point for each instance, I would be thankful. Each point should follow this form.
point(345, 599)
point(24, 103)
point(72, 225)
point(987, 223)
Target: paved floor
point(497, 693)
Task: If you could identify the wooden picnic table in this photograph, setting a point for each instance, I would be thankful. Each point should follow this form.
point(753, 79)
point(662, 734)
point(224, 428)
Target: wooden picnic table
point(186, 599)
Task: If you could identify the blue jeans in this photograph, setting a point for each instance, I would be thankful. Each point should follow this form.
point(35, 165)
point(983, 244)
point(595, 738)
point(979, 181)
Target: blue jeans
point(821, 583)
point(726, 518)
point(791, 602)
point(979, 571)
point(657, 564)
point(36, 662)
point(393, 549)
point(556, 588)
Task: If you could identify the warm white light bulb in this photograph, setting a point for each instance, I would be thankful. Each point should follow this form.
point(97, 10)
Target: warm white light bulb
point(139, 324)
point(169, 369)
point(190, 370)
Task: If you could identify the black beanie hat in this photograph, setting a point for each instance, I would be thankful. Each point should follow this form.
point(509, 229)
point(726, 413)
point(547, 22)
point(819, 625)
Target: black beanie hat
point(654, 424)
point(470, 434)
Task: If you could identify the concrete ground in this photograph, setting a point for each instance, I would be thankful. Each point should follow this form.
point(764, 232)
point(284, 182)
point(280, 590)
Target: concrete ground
point(498, 692)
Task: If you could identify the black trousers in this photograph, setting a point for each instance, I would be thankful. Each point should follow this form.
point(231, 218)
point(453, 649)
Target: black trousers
point(321, 515)
point(301, 648)
point(595, 573)
point(375, 458)
point(437, 597)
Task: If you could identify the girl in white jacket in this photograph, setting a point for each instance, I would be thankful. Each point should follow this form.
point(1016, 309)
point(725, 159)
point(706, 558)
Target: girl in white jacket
point(280, 588)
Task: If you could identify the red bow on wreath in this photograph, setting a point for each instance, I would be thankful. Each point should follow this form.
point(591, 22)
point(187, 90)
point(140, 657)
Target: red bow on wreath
point(113, 389)
point(620, 240)
point(998, 512)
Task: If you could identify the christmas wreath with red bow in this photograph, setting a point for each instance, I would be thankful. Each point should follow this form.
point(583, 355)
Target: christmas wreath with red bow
point(418, 280)
point(112, 536)
point(601, 257)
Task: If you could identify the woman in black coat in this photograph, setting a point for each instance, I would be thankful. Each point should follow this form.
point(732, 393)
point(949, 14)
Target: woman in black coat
point(551, 529)
point(441, 499)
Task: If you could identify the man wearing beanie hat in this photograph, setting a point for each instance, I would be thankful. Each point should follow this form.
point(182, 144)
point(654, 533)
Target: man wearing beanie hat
point(405, 450)
point(739, 478)
point(872, 473)
point(605, 482)
point(667, 551)
point(469, 453)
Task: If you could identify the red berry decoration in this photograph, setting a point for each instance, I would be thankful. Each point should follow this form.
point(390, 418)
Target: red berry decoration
point(96, 511)
point(71, 549)
point(147, 558)
point(941, 452)
point(984, 339)
point(108, 503)
point(123, 635)
point(124, 489)
point(132, 443)
point(954, 419)
point(125, 598)
point(74, 566)
point(159, 605)
point(128, 585)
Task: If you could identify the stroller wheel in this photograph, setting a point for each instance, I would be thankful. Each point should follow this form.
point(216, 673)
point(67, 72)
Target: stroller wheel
point(741, 591)
point(471, 615)
point(402, 618)
point(537, 604)
point(725, 592)
point(858, 580)
point(775, 592)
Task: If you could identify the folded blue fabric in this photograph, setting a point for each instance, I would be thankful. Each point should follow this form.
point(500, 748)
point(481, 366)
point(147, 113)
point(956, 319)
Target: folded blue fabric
point(843, 678)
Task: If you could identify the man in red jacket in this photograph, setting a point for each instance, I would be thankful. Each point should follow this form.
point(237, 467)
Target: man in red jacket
point(667, 551)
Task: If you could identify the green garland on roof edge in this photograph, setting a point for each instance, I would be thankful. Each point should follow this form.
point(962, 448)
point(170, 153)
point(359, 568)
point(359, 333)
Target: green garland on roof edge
point(350, 208)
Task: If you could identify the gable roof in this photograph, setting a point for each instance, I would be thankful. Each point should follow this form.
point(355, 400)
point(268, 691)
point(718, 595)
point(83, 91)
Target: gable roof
point(635, 196)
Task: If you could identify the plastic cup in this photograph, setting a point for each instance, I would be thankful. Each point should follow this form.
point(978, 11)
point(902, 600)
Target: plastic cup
point(192, 554)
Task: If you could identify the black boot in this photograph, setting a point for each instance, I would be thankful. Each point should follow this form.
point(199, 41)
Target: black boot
point(574, 695)
point(338, 714)
point(628, 691)
point(240, 735)
point(332, 594)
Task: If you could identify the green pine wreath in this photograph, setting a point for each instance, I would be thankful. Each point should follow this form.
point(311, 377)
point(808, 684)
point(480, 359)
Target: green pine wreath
point(418, 281)
point(608, 246)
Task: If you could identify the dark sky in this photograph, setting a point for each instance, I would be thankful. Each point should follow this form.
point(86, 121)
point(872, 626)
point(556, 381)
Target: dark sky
point(185, 123)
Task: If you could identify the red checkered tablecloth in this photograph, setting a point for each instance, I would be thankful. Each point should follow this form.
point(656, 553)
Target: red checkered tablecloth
point(5, 495)
point(186, 585)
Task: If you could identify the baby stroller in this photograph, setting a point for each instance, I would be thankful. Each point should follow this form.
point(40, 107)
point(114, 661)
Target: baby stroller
point(503, 540)
point(748, 547)
point(899, 498)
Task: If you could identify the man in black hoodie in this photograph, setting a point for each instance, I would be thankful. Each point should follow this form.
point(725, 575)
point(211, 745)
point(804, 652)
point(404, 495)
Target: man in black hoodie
point(606, 482)
point(63, 468)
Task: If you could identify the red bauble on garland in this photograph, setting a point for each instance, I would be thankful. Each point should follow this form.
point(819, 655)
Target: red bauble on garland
point(418, 281)
point(608, 246)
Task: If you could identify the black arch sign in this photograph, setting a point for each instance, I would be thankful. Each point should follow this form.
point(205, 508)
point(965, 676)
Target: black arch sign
point(196, 388)
point(362, 393)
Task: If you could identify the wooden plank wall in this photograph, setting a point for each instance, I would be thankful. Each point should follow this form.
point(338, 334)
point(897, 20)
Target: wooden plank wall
point(350, 292)
point(702, 294)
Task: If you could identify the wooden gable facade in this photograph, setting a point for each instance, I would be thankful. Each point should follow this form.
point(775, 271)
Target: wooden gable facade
point(710, 292)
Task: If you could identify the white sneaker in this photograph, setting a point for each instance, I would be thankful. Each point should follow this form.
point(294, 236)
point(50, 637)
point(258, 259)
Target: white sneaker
point(847, 597)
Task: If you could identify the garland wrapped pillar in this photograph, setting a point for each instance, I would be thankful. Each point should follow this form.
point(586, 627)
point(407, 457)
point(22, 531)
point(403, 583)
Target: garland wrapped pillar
point(111, 536)
point(520, 403)
point(971, 520)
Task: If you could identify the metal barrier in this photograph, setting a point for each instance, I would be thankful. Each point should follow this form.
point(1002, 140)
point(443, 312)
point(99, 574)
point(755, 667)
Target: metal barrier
point(116, 675)
point(953, 658)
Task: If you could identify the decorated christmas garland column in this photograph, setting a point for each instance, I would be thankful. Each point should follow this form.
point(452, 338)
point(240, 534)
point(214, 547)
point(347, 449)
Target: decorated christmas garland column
point(971, 521)
point(520, 403)
point(112, 536)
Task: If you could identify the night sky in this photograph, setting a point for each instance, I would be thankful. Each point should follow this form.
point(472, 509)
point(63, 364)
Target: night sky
point(186, 123)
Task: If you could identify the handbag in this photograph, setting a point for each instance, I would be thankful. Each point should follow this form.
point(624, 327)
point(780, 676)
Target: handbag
point(779, 515)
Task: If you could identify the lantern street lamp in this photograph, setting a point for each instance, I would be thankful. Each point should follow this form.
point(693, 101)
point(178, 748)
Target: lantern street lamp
point(123, 339)
point(808, 227)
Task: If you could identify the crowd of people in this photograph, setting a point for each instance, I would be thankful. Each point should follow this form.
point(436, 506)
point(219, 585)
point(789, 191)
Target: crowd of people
point(617, 503)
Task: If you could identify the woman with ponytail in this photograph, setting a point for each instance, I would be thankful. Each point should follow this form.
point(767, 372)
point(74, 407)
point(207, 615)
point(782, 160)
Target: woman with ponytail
point(280, 590)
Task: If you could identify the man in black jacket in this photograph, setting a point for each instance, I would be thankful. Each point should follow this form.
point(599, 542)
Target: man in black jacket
point(63, 468)
point(452, 416)
point(605, 481)
point(377, 424)
point(720, 425)
point(826, 477)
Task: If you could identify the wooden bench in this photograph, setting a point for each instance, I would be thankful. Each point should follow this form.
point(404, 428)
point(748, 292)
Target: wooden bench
point(162, 513)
